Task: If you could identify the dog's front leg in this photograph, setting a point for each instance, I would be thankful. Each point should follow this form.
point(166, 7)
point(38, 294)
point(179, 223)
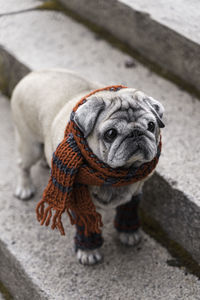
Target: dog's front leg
point(127, 222)
point(87, 247)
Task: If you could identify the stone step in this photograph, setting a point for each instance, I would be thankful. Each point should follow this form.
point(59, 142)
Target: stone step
point(37, 263)
point(167, 33)
point(43, 39)
point(1, 297)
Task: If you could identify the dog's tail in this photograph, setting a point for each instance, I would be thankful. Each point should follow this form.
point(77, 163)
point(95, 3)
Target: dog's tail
point(11, 72)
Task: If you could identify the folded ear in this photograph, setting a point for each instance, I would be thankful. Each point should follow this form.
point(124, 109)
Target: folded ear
point(157, 109)
point(86, 115)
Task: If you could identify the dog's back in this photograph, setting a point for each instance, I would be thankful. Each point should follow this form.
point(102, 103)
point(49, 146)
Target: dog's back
point(39, 96)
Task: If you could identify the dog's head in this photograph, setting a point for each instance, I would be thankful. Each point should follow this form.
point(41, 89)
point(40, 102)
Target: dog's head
point(122, 128)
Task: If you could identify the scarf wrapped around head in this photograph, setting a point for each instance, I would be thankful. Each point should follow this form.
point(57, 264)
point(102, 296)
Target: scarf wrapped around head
point(74, 167)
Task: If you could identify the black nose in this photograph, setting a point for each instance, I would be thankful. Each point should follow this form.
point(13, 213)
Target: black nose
point(135, 133)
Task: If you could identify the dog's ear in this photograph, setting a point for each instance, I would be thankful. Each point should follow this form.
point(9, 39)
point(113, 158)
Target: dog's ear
point(157, 109)
point(86, 115)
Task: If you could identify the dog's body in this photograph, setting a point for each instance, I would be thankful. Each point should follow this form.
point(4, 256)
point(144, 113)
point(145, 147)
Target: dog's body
point(41, 106)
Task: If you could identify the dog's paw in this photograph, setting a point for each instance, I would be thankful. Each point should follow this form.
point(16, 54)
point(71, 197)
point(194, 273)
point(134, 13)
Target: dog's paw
point(89, 257)
point(24, 192)
point(130, 239)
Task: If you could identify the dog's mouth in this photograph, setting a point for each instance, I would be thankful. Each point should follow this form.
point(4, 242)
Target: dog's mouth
point(129, 151)
point(143, 148)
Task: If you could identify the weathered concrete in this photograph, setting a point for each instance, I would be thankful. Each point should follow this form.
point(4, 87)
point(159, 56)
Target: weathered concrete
point(165, 32)
point(11, 71)
point(1, 297)
point(16, 6)
point(37, 263)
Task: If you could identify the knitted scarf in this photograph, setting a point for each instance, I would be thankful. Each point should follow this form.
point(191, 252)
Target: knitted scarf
point(74, 167)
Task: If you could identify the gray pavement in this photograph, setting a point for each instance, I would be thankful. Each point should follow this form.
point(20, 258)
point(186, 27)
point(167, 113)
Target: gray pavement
point(165, 32)
point(37, 263)
point(1, 297)
point(13, 6)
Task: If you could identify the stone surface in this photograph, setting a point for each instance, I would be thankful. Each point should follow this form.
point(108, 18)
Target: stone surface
point(180, 15)
point(11, 71)
point(165, 32)
point(37, 263)
point(1, 297)
point(17, 6)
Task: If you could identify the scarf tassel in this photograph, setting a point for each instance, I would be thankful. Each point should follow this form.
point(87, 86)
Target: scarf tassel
point(91, 222)
point(44, 216)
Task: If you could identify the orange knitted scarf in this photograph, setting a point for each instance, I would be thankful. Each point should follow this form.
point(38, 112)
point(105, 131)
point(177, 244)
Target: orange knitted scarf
point(74, 167)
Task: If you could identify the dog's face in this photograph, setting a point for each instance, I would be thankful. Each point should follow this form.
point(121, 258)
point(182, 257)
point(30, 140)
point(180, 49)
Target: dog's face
point(122, 128)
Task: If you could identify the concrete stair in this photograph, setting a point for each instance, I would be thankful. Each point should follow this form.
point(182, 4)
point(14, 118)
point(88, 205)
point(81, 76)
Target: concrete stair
point(36, 263)
point(164, 32)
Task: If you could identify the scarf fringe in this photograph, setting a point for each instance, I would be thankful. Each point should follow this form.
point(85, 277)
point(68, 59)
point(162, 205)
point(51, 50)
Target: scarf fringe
point(91, 222)
point(44, 216)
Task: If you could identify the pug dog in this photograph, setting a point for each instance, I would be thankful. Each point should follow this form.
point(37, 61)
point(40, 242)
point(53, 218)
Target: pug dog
point(122, 129)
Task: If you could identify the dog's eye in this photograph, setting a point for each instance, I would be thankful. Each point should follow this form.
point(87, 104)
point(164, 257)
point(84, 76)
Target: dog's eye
point(151, 126)
point(110, 135)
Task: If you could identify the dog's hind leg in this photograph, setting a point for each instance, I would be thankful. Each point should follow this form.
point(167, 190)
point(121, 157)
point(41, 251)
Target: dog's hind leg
point(29, 152)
